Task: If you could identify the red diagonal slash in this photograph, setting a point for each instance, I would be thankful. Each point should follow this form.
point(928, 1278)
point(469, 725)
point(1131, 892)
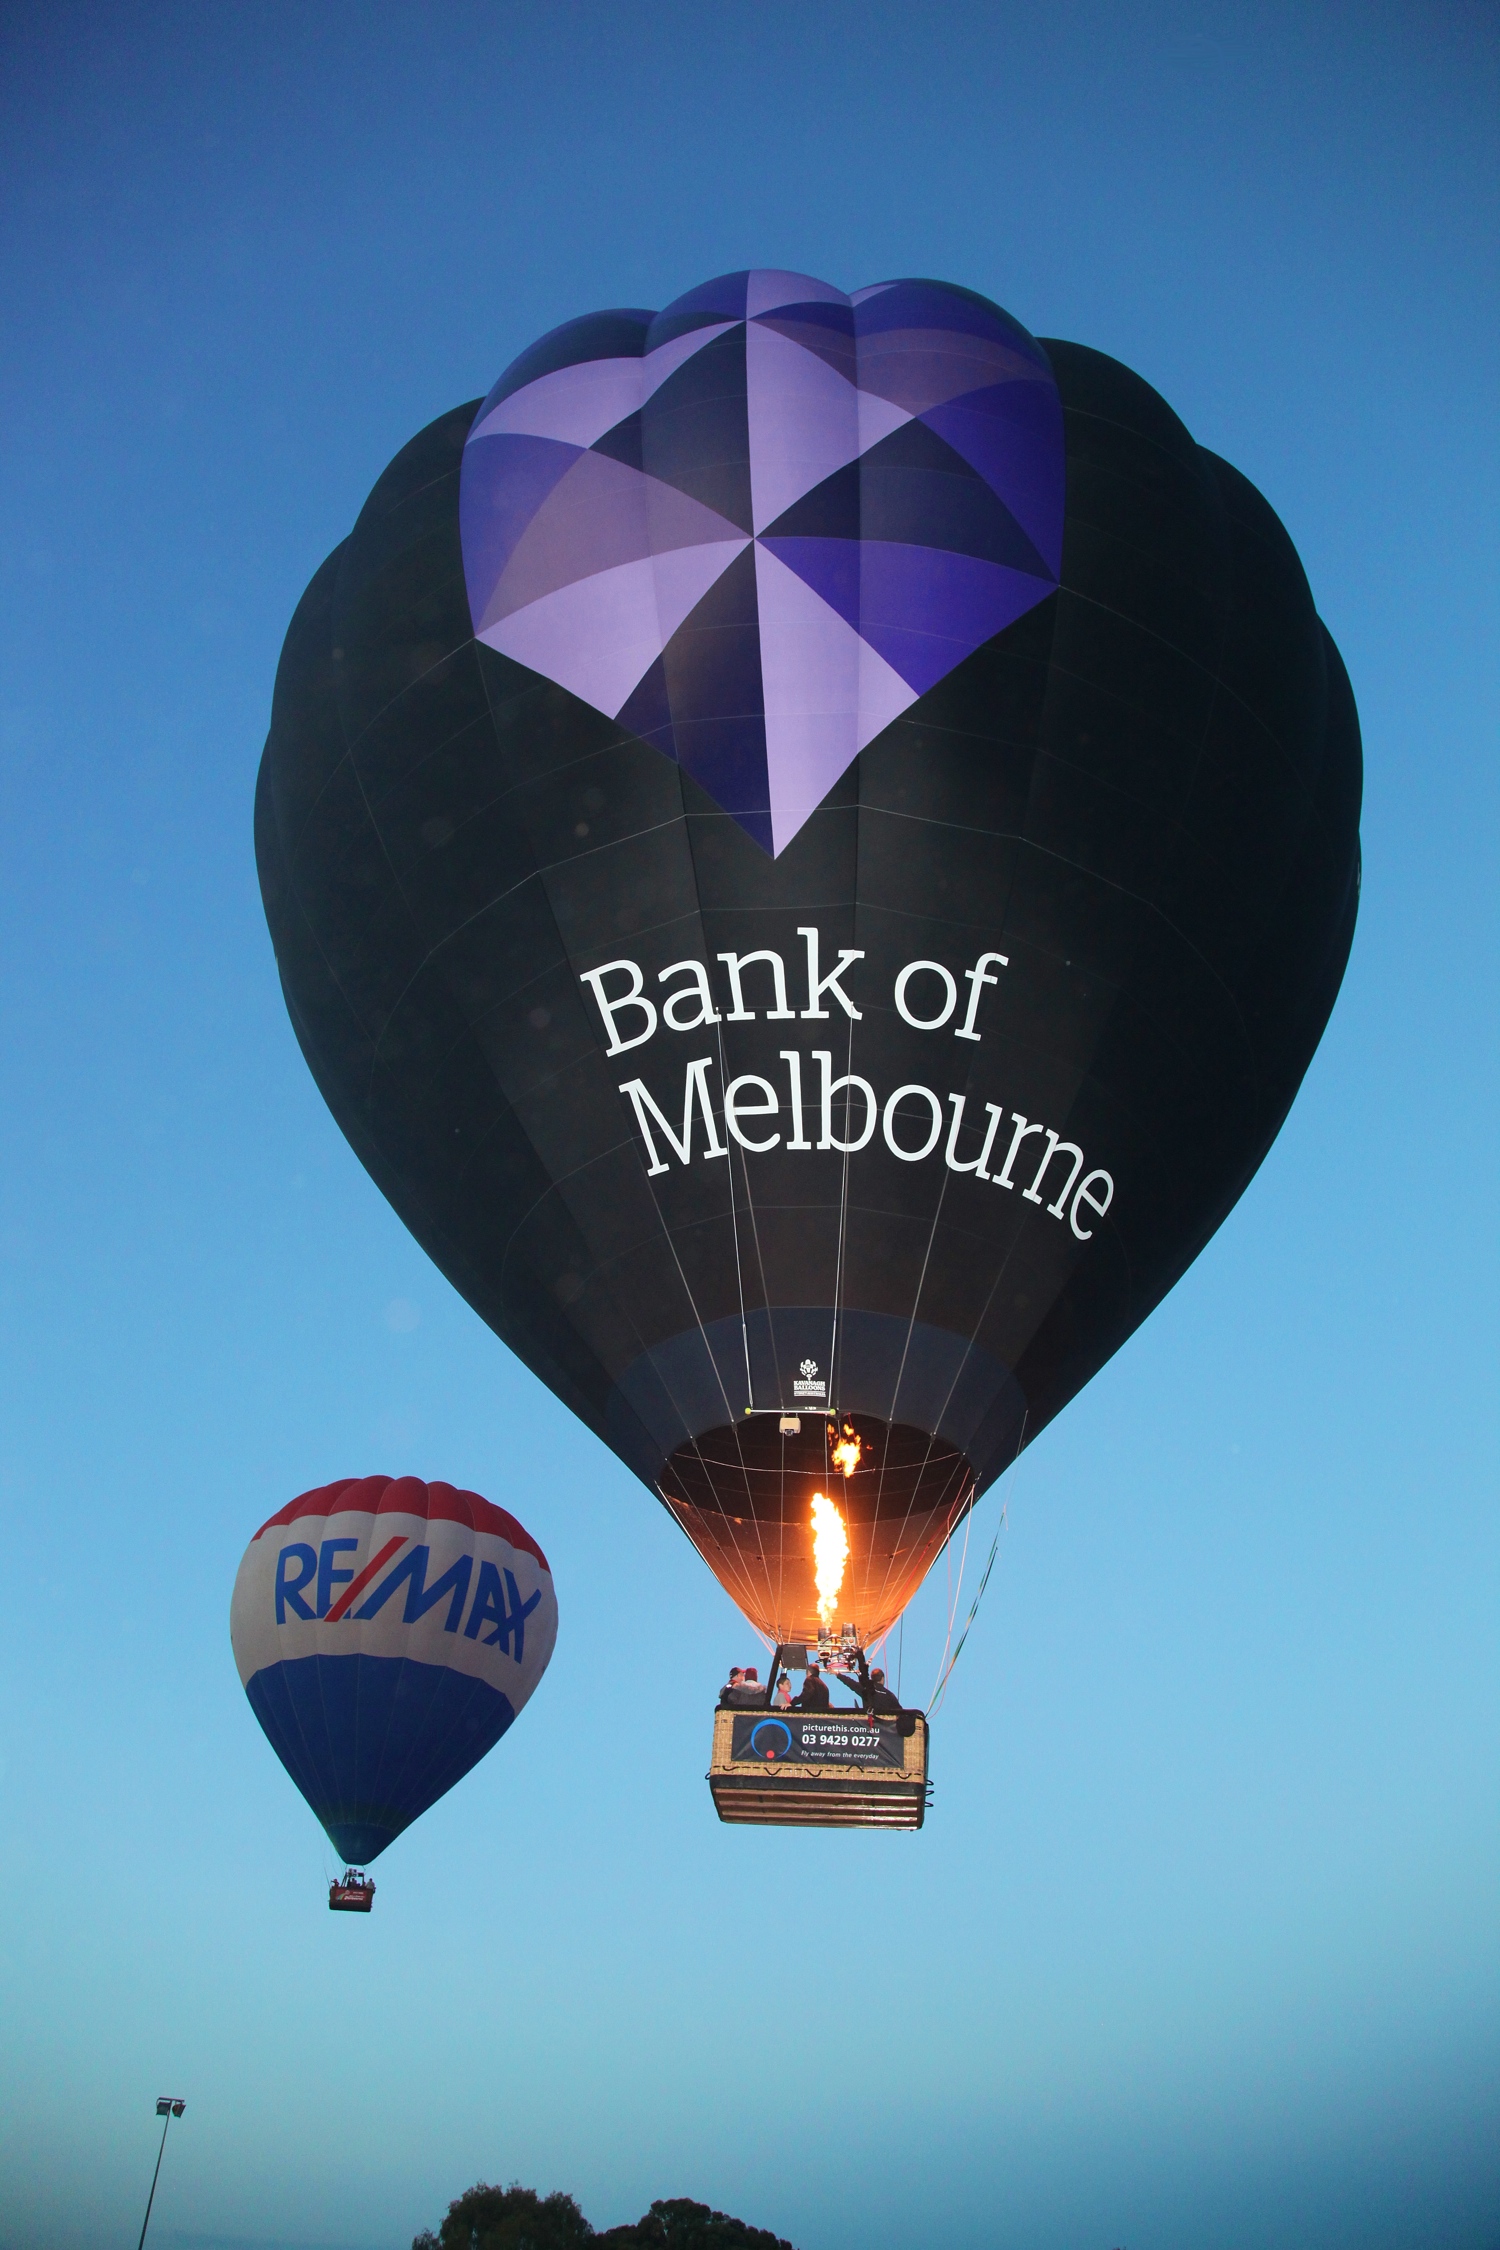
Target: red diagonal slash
point(357, 1586)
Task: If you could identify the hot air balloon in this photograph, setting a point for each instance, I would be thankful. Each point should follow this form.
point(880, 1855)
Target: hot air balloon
point(810, 840)
point(387, 1632)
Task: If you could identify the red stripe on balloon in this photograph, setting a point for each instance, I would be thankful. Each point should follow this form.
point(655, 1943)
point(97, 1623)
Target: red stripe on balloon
point(434, 1503)
point(356, 1588)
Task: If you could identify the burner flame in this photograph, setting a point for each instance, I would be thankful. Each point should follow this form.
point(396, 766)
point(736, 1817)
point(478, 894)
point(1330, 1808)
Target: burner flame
point(846, 1451)
point(830, 1554)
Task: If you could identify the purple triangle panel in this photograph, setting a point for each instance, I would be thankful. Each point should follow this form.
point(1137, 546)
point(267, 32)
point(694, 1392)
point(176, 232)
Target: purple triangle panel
point(941, 306)
point(647, 711)
point(597, 516)
point(769, 288)
point(911, 489)
point(829, 566)
point(890, 546)
point(1012, 433)
point(714, 697)
point(695, 431)
point(827, 331)
point(723, 298)
point(505, 481)
point(916, 369)
point(620, 334)
point(727, 758)
point(924, 609)
point(759, 828)
point(623, 442)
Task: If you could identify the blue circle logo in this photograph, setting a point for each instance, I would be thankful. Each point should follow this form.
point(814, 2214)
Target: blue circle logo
point(763, 1738)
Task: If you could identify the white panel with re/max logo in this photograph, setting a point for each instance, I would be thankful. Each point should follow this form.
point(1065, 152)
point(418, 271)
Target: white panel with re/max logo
point(353, 1583)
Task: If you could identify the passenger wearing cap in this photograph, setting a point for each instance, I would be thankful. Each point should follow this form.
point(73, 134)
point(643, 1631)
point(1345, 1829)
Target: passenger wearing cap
point(744, 1691)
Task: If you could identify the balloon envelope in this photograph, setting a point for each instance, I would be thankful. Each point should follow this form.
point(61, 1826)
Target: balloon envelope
point(387, 1632)
point(810, 841)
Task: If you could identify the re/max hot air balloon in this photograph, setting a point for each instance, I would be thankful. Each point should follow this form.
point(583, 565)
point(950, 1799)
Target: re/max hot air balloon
point(387, 1632)
point(810, 841)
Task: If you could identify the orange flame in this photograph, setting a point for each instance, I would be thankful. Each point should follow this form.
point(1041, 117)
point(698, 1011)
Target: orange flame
point(846, 1453)
point(830, 1554)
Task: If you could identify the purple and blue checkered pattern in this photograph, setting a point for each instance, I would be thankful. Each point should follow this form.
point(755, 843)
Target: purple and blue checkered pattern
point(755, 527)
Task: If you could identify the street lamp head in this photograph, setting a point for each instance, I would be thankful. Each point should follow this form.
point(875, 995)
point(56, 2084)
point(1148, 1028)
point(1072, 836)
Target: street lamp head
point(167, 2106)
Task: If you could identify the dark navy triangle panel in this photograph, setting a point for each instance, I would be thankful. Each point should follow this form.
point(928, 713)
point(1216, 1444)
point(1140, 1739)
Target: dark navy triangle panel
point(796, 317)
point(826, 330)
point(913, 490)
point(497, 511)
point(620, 334)
point(623, 442)
point(647, 711)
point(921, 608)
point(1009, 432)
point(711, 670)
point(697, 429)
point(829, 511)
point(372, 1741)
point(724, 298)
point(944, 305)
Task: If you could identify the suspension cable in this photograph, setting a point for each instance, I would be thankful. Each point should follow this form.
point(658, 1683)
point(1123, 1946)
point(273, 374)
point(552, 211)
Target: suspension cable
point(945, 1668)
point(946, 1673)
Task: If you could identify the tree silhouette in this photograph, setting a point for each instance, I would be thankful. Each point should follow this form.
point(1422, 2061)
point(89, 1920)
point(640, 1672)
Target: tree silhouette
point(517, 2218)
point(681, 2225)
point(510, 2218)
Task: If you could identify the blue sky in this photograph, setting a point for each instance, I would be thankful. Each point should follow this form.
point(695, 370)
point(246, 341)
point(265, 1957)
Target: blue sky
point(1199, 1947)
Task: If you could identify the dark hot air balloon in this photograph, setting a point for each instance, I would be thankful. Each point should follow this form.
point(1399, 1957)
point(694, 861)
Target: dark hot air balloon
point(810, 841)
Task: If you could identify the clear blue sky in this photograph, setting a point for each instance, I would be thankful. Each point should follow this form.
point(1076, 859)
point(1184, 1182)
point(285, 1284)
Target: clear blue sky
point(1199, 1949)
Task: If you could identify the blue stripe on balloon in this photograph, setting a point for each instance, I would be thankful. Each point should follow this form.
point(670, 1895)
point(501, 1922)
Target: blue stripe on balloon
point(372, 1741)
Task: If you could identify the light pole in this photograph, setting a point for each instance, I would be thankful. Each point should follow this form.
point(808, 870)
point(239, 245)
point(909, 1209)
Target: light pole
point(167, 2106)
